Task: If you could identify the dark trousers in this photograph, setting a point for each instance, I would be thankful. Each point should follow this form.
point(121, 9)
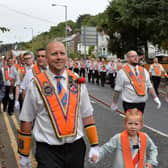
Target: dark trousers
point(156, 83)
point(20, 100)
point(76, 70)
point(103, 78)
point(97, 77)
point(7, 101)
point(139, 106)
point(89, 75)
point(69, 155)
point(82, 72)
point(112, 77)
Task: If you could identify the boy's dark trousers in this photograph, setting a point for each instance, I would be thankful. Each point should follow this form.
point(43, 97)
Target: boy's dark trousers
point(7, 101)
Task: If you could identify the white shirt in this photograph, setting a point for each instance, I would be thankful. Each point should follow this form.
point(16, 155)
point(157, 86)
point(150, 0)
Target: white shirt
point(27, 78)
point(151, 69)
point(12, 73)
point(111, 67)
point(124, 85)
point(34, 109)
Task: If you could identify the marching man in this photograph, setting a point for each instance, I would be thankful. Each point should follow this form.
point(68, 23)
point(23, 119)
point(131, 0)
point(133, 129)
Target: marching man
point(156, 71)
point(55, 109)
point(133, 82)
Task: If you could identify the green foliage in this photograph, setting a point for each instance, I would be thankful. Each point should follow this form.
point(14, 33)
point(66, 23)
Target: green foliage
point(4, 29)
point(136, 22)
point(130, 24)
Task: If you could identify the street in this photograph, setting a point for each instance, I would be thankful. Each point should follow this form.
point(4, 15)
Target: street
point(108, 123)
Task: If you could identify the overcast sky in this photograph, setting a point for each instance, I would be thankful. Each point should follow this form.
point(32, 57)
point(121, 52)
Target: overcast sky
point(18, 14)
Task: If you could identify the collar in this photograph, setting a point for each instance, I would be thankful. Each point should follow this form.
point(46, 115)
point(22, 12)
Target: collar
point(64, 74)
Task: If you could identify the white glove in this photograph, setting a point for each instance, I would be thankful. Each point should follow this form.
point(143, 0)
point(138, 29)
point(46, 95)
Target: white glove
point(25, 162)
point(157, 101)
point(94, 151)
point(11, 96)
point(114, 107)
point(17, 106)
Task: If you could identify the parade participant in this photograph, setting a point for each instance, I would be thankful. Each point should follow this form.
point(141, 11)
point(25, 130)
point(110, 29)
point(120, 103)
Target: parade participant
point(156, 71)
point(57, 106)
point(21, 70)
point(70, 64)
point(97, 70)
point(119, 64)
point(28, 60)
point(76, 66)
point(111, 71)
point(133, 149)
point(91, 70)
point(103, 72)
point(166, 80)
point(2, 86)
point(37, 68)
point(133, 82)
point(1, 61)
point(82, 67)
point(10, 81)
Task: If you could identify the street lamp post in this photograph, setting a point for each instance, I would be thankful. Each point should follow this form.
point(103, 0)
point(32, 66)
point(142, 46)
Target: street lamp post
point(31, 33)
point(65, 6)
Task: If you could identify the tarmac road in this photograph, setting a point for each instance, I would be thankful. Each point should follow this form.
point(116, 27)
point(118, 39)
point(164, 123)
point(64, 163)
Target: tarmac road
point(108, 124)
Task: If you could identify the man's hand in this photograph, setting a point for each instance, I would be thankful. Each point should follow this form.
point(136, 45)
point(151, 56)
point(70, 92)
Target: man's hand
point(17, 106)
point(94, 154)
point(25, 162)
point(148, 165)
point(11, 96)
point(157, 101)
point(114, 107)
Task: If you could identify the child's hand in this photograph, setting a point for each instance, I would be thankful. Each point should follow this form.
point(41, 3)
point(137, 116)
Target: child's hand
point(94, 158)
point(148, 165)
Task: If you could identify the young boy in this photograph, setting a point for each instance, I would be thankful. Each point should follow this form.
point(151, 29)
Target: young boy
point(134, 149)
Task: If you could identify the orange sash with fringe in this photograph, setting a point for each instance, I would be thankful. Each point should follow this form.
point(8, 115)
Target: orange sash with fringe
point(36, 70)
point(127, 155)
point(137, 83)
point(6, 73)
point(64, 121)
point(157, 69)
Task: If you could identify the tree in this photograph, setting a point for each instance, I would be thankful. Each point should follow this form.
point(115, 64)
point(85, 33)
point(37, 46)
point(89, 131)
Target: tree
point(4, 29)
point(136, 22)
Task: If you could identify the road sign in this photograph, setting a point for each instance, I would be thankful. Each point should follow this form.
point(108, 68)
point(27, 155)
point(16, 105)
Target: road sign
point(89, 36)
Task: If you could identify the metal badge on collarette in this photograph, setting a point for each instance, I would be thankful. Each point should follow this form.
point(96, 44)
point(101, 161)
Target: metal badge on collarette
point(48, 89)
point(74, 88)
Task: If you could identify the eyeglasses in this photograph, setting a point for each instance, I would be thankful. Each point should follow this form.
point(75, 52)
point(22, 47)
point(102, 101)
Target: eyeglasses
point(40, 56)
point(27, 58)
point(133, 56)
